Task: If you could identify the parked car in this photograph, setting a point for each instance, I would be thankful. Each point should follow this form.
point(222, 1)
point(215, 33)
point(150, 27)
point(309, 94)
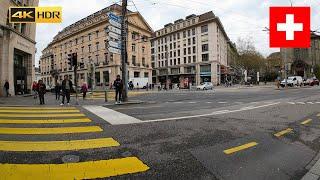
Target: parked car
point(205, 86)
point(292, 81)
point(311, 82)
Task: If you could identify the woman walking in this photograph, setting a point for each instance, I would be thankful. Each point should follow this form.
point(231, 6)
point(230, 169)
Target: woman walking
point(84, 89)
point(41, 91)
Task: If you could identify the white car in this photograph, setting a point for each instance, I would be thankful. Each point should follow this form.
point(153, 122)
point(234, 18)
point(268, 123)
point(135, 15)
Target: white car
point(293, 81)
point(205, 86)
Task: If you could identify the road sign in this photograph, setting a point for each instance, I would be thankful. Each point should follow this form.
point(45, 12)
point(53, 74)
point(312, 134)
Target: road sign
point(114, 50)
point(115, 23)
point(113, 29)
point(114, 36)
point(114, 17)
point(115, 44)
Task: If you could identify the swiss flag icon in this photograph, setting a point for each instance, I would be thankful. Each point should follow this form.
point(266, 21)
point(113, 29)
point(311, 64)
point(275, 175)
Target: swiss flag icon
point(289, 27)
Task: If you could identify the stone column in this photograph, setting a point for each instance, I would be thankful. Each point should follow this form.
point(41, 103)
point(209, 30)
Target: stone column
point(214, 73)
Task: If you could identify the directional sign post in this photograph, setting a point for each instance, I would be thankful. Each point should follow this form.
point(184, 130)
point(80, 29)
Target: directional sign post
point(114, 50)
point(114, 44)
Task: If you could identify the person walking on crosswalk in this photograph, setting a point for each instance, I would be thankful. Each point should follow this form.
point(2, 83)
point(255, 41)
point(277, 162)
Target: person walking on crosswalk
point(66, 87)
point(41, 91)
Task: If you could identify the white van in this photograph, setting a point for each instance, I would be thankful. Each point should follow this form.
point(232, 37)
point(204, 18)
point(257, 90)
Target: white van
point(293, 81)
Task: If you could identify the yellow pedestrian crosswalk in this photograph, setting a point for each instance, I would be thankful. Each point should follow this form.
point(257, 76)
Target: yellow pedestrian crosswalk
point(30, 118)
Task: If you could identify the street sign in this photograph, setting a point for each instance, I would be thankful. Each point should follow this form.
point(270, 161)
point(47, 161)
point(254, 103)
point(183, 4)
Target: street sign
point(115, 23)
point(114, 50)
point(115, 44)
point(114, 36)
point(113, 29)
point(114, 17)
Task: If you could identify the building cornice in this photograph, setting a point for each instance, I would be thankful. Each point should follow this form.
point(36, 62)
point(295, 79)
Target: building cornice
point(18, 33)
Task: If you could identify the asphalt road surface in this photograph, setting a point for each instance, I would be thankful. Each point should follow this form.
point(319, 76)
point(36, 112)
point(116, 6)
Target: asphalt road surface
point(258, 133)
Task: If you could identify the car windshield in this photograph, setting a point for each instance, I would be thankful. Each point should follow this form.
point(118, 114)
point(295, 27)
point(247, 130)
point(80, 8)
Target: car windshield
point(290, 78)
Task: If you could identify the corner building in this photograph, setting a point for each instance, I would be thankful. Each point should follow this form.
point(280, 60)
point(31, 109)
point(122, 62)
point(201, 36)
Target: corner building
point(17, 49)
point(190, 50)
point(88, 38)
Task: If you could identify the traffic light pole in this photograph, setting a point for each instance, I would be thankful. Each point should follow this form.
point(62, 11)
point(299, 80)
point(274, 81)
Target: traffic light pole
point(124, 51)
point(76, 82)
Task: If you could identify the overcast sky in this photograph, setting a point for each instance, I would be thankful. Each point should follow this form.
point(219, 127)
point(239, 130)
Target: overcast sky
point(240, 18)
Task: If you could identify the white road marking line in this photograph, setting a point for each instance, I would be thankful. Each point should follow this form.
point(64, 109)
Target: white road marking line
point(178, 102)
point(317, 102)
point(147, 107)
point(111, 116)
point(222, 102)
point(208, 102)
point(210, 114)
point(191, 102)
point(301, 103)
point(291, 103)
point(310, 102)
point(238, 102)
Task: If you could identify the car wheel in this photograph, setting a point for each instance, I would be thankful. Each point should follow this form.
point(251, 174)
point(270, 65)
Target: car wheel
point(204, 88)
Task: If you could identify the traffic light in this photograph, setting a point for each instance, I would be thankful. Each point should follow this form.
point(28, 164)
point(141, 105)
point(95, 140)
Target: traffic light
point(74, 59)
point(70, 61)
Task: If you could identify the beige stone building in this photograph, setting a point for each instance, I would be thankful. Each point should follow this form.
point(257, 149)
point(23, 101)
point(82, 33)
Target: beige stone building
point(88, 38)
point(191, 50)
point(17, 49)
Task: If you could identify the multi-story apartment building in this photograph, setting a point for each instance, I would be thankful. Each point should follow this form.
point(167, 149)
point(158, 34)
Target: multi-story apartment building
point(190, 50)
point(17, 49)
point(302, 61)
point(88, 38)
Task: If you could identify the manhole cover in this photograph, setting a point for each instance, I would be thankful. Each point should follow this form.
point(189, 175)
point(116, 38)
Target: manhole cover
point(70, 159)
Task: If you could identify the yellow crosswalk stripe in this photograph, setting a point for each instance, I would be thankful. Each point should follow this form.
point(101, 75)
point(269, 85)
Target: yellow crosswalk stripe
point(306, 121)
point(283, 132)
point(33, 121)
point(34, 108)
point(239, 148)
point(57, 145)
point(39, 110)
point(68, 171)
point(59, 130)
point(4, 115)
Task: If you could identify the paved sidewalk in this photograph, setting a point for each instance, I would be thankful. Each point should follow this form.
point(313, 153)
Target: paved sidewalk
point(314, 172)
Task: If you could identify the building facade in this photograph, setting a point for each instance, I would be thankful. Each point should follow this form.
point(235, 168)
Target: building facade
point(17, 49)
point(302, 61)
point(88, 38)
point(190, 50)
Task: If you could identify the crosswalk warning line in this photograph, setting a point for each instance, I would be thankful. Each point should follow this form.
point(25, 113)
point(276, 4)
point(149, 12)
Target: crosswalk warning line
point(81, 170)
point(4, 115)
point(39, 110)
point(239, 148)
point(281, 133)
point(35, 108)
point(306, 122)
point(57, 145)
point(49, 121)
point(60, 130)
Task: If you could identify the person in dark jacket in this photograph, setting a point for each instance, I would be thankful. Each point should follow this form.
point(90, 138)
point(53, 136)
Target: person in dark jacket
point(6, 88)
point(57, 90)
point(118, 85)
point(66, 87)
point(41, 91)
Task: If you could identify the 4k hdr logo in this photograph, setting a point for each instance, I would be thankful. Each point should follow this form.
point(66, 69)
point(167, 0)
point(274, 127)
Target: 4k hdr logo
point(290, 27)
point(35, 15)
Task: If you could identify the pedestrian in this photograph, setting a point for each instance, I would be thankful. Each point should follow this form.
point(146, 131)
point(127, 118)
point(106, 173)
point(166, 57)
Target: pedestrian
point(35, 89)
point(57, 90)
point(147, 86)
point(41, 91)
point(118, 89)
point(84, 89)
point(66, 88)
point(6, 88)
point(137, 86)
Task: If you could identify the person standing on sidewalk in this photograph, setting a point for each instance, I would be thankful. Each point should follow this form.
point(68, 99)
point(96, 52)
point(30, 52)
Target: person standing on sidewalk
point(6, 88)
point(35, 89)
point(57, 90)
point(118, 88)
point(41, 91)
point(84, 89)
point(66, 87)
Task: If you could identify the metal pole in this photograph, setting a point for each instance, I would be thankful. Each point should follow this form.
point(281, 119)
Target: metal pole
point(76, 82)
point(285, 69)
point(124, 55)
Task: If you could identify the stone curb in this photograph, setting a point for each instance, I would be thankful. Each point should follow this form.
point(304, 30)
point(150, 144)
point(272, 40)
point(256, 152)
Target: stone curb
point(314, 171)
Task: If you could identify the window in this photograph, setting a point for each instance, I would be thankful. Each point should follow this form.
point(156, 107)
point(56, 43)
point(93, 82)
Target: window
point(185, 60)
point(133, 60)
point(97, 46)
point(178, 60)
point(143, 61)
point(193, 40)
point(152, 51)
point(174, 37)
point(189, 59)
point(97, 34)
point(136, 74)
point(89, 36)
point(193, 31)
point(184, 34)
point(205, 57)
point(189, 50)
point(205, 47)
point(76, 40)
point(133, 36)
point(146, 75)
point(178, 35)
point(189, 32)
point(194, 49)
point(89, 47)
point(175, 61)
point(133, 46)
point(194, 59)
point(204, 28)
point(178, 52)
point(184, 51)
point(174, 45)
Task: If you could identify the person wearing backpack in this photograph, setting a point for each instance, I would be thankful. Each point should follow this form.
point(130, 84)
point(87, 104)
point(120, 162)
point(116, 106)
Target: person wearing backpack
point(118, 85)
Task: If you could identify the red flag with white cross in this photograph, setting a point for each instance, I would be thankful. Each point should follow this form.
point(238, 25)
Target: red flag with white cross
point(289, 27)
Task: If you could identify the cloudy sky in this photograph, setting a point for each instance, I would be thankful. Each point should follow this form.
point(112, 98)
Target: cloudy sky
point(241, 18)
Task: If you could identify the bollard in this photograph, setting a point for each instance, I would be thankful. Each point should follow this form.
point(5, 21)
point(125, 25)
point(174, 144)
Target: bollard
point(105, 96)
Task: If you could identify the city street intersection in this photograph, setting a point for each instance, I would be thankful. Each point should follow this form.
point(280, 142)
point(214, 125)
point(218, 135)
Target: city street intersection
point(228, 133)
